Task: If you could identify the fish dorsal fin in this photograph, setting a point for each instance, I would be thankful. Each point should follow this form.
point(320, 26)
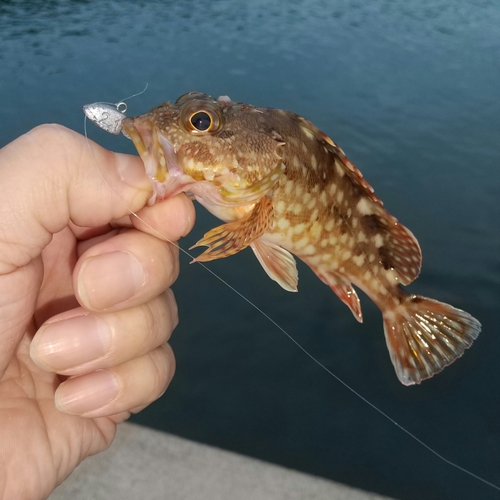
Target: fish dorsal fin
point(278, 263)
point(356, 177)
point(341, 161)
point(397, 248)
point(404, 254)
point(231, 238)
point(349, 169)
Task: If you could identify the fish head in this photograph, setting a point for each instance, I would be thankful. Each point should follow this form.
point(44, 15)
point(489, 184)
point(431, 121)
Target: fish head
point(204, 146)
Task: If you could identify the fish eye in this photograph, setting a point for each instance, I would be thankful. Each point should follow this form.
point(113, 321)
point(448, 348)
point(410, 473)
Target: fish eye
point(199, 117)
point(201, 121)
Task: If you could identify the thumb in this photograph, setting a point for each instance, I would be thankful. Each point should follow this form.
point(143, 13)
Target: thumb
point(49, 177)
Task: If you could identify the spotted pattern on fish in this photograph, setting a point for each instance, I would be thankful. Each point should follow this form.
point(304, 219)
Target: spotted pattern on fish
point(284, 187)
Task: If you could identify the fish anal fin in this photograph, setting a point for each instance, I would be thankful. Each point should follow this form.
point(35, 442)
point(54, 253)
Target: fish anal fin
point(278, 263)
point(424, 336)
point(357, 178)
point(231, 238)
point(344, 291)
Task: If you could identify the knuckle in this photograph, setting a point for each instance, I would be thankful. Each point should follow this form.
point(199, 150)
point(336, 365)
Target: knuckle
point(148, 321)
point(162, 368)
point(172, 263)
point(157, 319)
point(173, 309)
point(49, 132)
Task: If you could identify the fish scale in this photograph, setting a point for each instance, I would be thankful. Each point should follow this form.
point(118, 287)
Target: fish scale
point(284, 187)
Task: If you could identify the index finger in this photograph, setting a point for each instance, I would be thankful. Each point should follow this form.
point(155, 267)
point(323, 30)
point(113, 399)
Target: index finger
point(51, 176)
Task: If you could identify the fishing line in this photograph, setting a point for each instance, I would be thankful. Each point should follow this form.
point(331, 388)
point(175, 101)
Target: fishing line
point(289, 336)
point(135, 95)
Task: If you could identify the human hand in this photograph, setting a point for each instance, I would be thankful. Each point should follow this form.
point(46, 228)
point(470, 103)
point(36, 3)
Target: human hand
point(84, 318)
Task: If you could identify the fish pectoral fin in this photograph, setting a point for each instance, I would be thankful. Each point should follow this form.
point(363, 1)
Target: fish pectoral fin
point(424, 336)
point(278, 263)
point(231, 195)
point(344, 291)
point(231, 238)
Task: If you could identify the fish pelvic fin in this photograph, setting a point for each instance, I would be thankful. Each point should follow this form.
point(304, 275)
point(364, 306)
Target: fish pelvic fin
point(278, 263)
point(231, 238)
point(424, 336)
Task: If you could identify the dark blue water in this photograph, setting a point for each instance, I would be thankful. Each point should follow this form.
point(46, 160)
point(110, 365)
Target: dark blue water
point(411, 91)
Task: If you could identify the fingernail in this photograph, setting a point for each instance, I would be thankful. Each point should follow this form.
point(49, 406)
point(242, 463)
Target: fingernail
point(87, 393)
point(188, 223)
point(109, 279)
point(69, 343)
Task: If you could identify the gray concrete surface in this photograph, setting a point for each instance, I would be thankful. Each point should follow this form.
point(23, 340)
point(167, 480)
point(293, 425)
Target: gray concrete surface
point(149, 465)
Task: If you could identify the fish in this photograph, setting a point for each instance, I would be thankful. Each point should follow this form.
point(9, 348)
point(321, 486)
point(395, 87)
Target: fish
point(284, 188)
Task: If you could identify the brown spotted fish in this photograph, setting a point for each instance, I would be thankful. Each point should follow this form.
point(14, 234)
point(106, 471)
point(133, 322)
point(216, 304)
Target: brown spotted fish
point(282, 186)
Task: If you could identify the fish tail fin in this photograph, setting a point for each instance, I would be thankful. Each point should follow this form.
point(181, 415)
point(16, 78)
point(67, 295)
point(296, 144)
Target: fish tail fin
point(424, 336)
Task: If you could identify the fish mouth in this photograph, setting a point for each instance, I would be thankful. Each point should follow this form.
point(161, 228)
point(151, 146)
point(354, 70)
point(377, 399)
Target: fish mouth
point(158, 155)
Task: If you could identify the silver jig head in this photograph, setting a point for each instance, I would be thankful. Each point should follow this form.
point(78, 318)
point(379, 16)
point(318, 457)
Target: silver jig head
point(107, 116)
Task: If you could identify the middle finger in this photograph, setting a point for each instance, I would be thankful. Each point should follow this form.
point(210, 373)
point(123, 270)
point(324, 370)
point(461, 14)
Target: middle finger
point(124, 271)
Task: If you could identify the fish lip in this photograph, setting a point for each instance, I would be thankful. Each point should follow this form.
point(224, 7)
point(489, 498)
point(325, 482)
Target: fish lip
point(170, 155)
point(156, 151)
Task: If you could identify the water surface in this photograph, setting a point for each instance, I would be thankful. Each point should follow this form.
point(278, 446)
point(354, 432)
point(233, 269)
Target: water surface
point(410, 90)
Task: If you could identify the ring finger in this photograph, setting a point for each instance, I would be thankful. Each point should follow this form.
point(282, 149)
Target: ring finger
point(78, 342)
